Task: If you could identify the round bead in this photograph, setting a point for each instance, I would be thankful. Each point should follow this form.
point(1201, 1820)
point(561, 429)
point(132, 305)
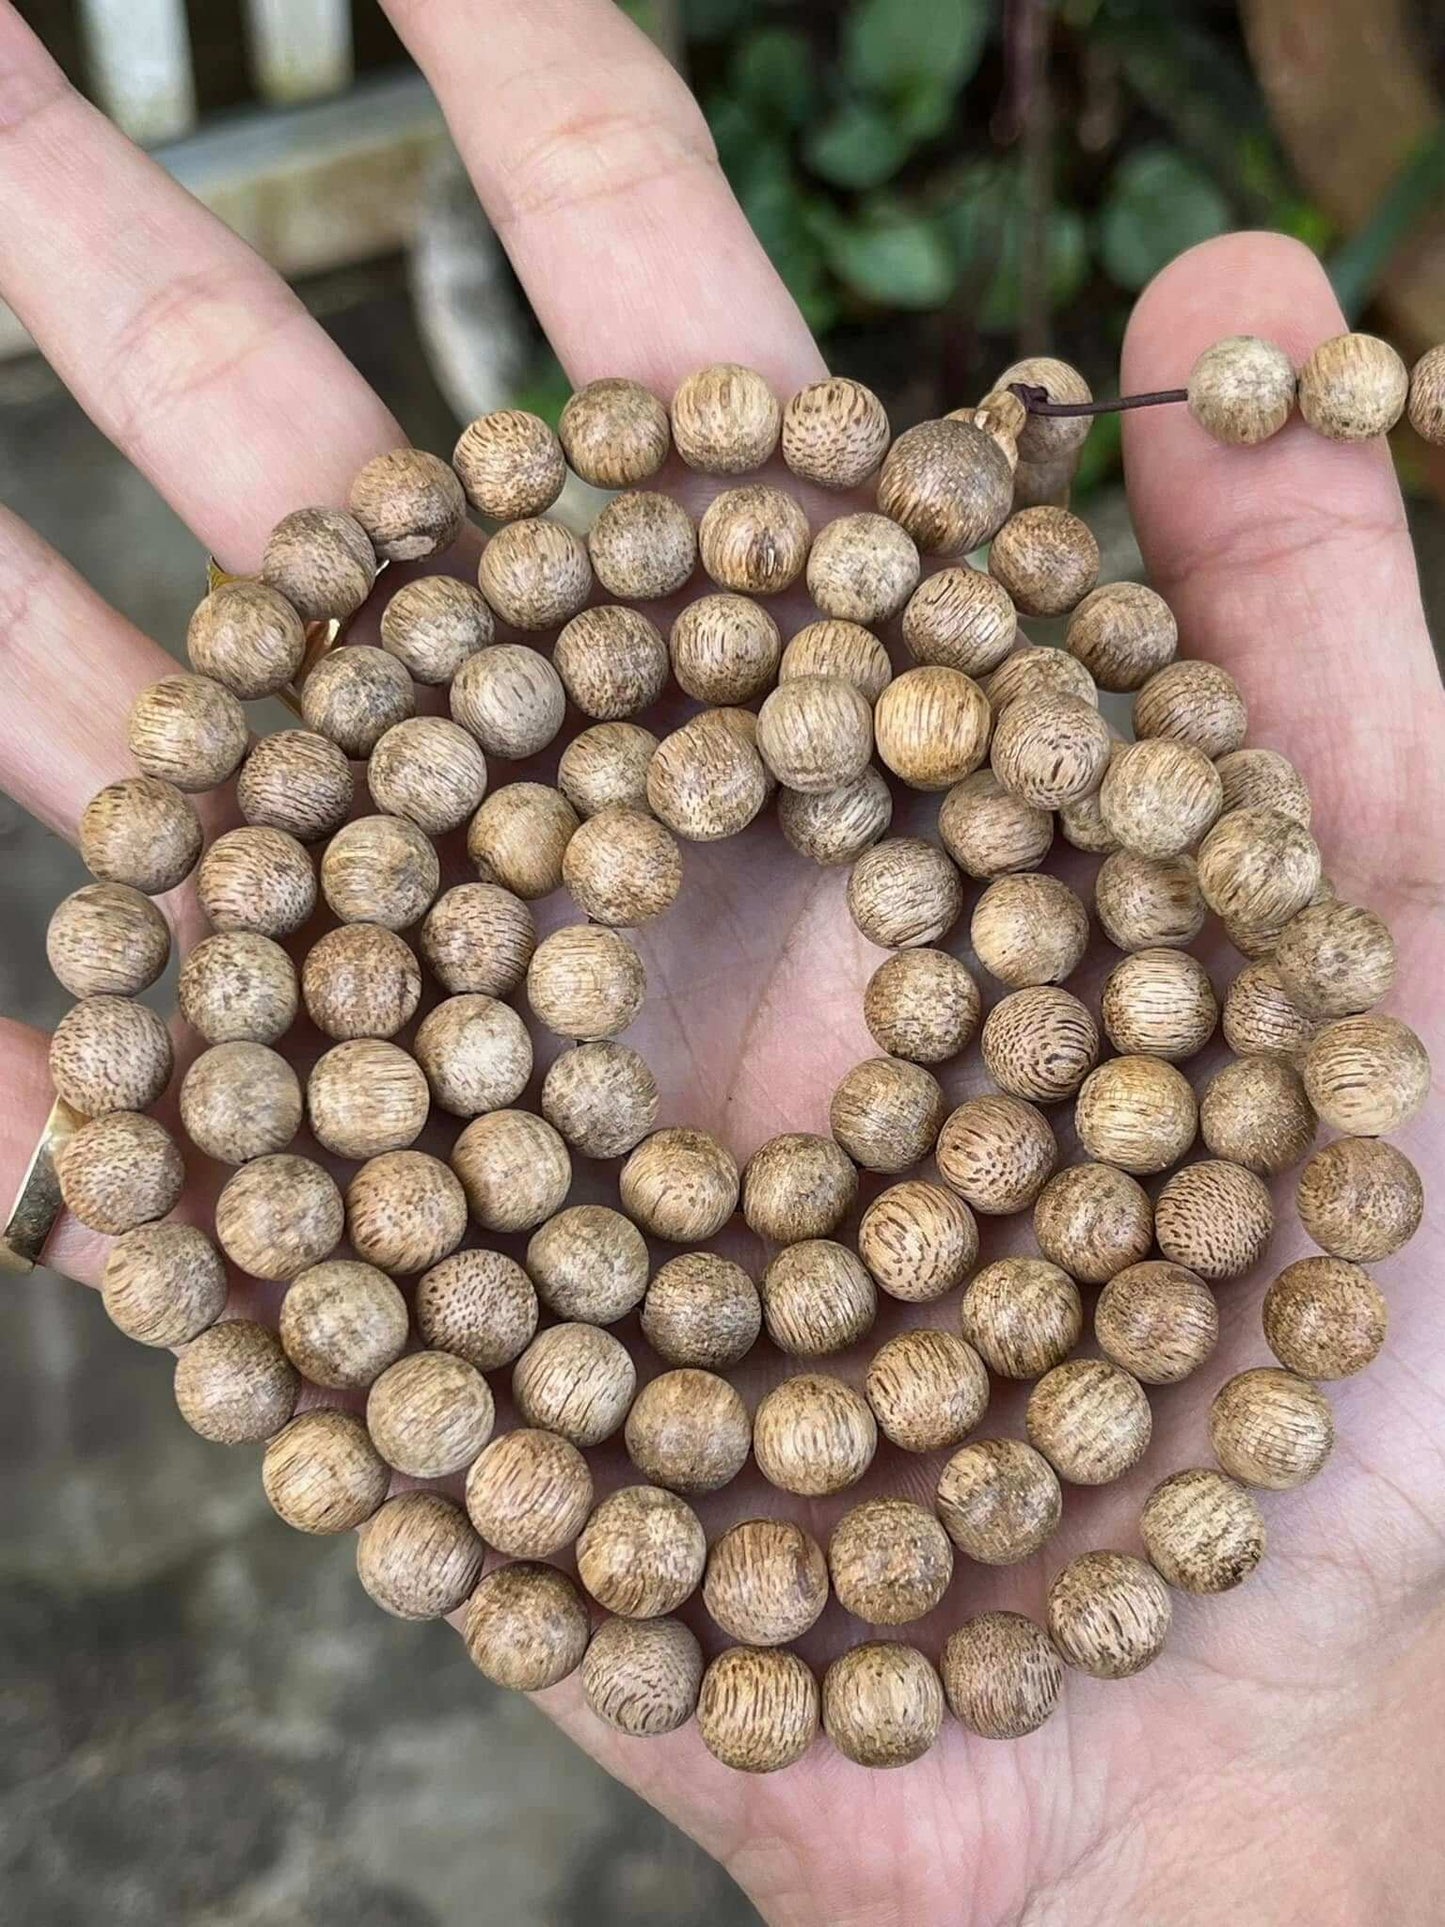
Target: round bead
point(612, 661)
point(1257, 869)
point(106, 939)
point(757, 1712)
point(1109, 1614)
point(478, 939)
point(535, 574)
point(1090, 1419)
point(754, 540)
point(681, 1185)
point(380, 869)
point(766, 1582)
point(364, 1097)
point(164, 1284)
point(1034, 671)
point(259, 880)
point(813, 1435)
point(405, 1210)
point(296, 781)
point(510, 464)
point(1022, 1315)
point(278, 1215)
point(921, 1004)
point(433, 624)
point(817, 1298)
point(1260, 1019)
point(589, 1263)
point(417, 1557)
point(724, 649)
point(322, 1474)
point(342, 1323)
point(701, 1310)
point(1157, 1320)
point(1242, 390)
point(990, 832)
point(890, 1561)
point(948, 484)
point(706, 781)
point(1044, 440)
point(119, 1171)
point(1427, 396)
point(1159, 797)
point(836, 826)
point(322, 561)
point(928, 1390)
point(1324, 1318)
point(918, 1240)
point(1000, 1501)
point(845, 649)
point(247, 637)
point(1040, 1044)
point(360, 981)
point(480, 1305)
point(586, 982)
point(904, 891)
point(932, 727)
point(1215, 1217)
point(240, 1101)
point(1050, 749)
point(688, 1430)
point(529, 1494)
point(514, 1169)
point(429, 771)
point(642, 1552)
point(642, 546)
point(815, 733)
point(1159, 1003)
point(109, 1054)
point(526, 1627)
point(882, 1704)
point(601, 1097)
point(187, 730)
point(997, 1152)
point(1002, 1675)
point(510, 698)
point(862, 568)
point(140, 832)
point(1138, 1113)
point(614, 433)
point(606, 767)
point(835, 433)
point(1093, 1221)
point(1270, 1428)
point(1335, 960)
point(962, 619)
point(1143, 902)
point(1123, 633)
point(1352, 388)
point(410, 503)
point(1361, 1199)
point(1263, 779)
point(1029, 930)
point(886, 1113)
point(1046, 558)
point(234, 1384)
point(1204, 1533)
point(475, 1054)
point(1192, 702)
point(1366, 1076)
point(429, 1414)
point(353, 695)
point(576, 1380)
point(797, 1186)
point(725, 420)
point(643, 1677)
point(519, 836)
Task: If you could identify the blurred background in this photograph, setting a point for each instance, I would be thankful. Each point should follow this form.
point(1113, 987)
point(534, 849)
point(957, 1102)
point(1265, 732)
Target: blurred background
point(202, 1718)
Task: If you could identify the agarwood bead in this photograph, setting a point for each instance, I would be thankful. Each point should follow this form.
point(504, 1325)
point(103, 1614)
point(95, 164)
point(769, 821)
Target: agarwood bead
point(1263, 779)
point(429, 771)
point(642, 1552)
point(164, 1284)
point(529, 1493)
point(1271, 1428)
point(862, 568)
point(296, 781)
point(257, 879)
point(360, 980)
point(843, 649)
point(948, 484)
point(988, 831)
point(705, 781)
point(1090, 1419)
point(1032, 670)
point(364, 1097)
point(322, 561)
point(1427, 397)
point(882, 1704)
point(1109, 1614)
point(1159, 1003)
point(1215, 1217)
point(688, 1430)
point(999, 1500)
point(622, 867)
point(890, 1561)
point(240, 1101)
point(1192, 702)
point(642, 1676)
point(519, 836)
point(1157, 1320)
point(932, 727)
point(606, 767)
point(353, 695)
point(577, 1380)
point(119, 1171)
point(510, 698)
point(1029, 930)
point(1093, 1221)
point(681, 1185)
point(480, 1305)
point(918, 1240)
point(1202, 1531)
point(1159, 797)
point(835, 433)
point(701, 1309)
point(1259, 1018)
point(836, 826)
point(612, 661)
point(234, 1384)
point(813, 1435)
point(1144, 902)
point(109, 1054)
point(1257, 869)
point(754, 540)
point(928, 1390)
point(433, 624)
point(535, 574)
point(1136, 1112)
point(766, 1581)
point(725, 420)
point(342, 1323)
point(475, 1054)
point(526, 1627)
point(1335, 960)
point(886, 1113)
point(106, 939)
point(921, 1004)
point(1050, 749)
point(1047, 560)
point(1360, 1198)
point(418, 1556)
point(187, 730)
point(724, 649)
point(510, 464)
point(601, 1097)
point(410, 503)
point(514, 1169)
point(1083, 822)
point(477, 939)
point(904, 891)
point(960, 618)
point(1002, 1675)
point(140, 832)
point(815, 733)
point(757, 1711)
point(429, 1414)
point(1040, 1043)
point(405, 1210)
point(797, 1186)
point(585, 982)
point(997, 1152)
point(1324, 1318)
point(247, 637)
point(1045, 439)
point(1242, 390)
point(614, 433)
point(1123, 633)
point(1022, 1315)
point(279, 1215)
point(589, 1263)
point(817, 1298)
point(322, 1474)
point(1366, 1076)
point(642, 546)
point(1352, 388)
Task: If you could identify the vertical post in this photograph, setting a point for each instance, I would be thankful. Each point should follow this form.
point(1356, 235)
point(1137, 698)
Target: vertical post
point(139, 61)
point(300, 49)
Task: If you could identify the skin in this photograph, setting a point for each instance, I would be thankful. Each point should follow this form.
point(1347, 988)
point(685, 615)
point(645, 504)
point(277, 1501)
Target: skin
point(1256, 1770)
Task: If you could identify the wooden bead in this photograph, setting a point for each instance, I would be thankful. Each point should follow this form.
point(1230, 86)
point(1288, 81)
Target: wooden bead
point(921, 1004)
point(997, 1152)
point(247, 637)
point(354, 695)
point(526, 1627)
point(962, 619)
point(278, 1215)
point(918, 1240)
point(754, 540)
point(1123, 633)
point(797, 1186)
point(990, 832)
point(1335, 960)
point(606, 768)
point(836, 826)
point(529, 1494)
point(835, 433)
point(1157, 1320)
point(140, 832)
point(164, 1284)
point(932, 727)
point(642, 1676)
point(757, 1712)
point(612, 661)
point(433, 624)
point(240, 1101)
point(417, 1557)
point(886, 1113)
point(1202, 1531)
point(322, 1474)
point(322, 561)
point(862, 568)
point(119, 1171)
point(1047, 560)
point(1145, 902)
point(1090, 1419)
point(1427, 396)
point(817, 1299)
point(1136, 1112)
point(1050, 749)
point(1361, 1199)
point(535, 574)
point(1242, 390)
point(1324, 1318)
point(1270, 1428)
point(948, 484)
point(882, 1704)
point(364, 1097)
point(1045, 439)
point(999, 1500)
point(1029, 930)
point(429, 771)
point(725, 420)
point(187, 730)
point(724, 649)
point(890, 1561)
point(1002, 1675)
point(510, 464)
point(519, 836)
point(766, 1581)
point(1159, 797)
point(1093, 1221)
point(475, 1053)
point(622, 867)
point(1366, 1076)
point(642, 546)
point(1215, 1217)
point(109, 1054)
point(238, 987)
point(585, 982)
point(1022, 1315)
point(1263, 779)
point(904, 891)
point(514, 1169)
point(843, 649)
point(1352, 388)
point(1259, 1018)
point(589, 1263)
point(681, 1185)
point(601, 1097)
point(576, 1380)
point(510, 698)
point(106, 939)
point(705, 781)
point(1034, 671)
point(296, 781)
point(257, 879)
point(815, 733)
point(1083, 822)
point(1109, 1614)
point(480, 1305)
point(405, 1210)
point(1159, 1003)
point(1255, 1112)
point(689, 1430)
point(234, 1384)
point(342, 1323)
point(701, 1310)
point(928, 1390)
point(410, 503)
point(813, 1435)
point(478, 939)
point(642, 1552)
point(614, 433)
point(429, 1414)
point(360, 980)
point(1040, 1044)
point(1258, 869)
point(1192, 702)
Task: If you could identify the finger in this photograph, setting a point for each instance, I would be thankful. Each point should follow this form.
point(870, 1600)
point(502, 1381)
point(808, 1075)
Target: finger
point(25, 1078)
point(183, 347)
point(596, 167)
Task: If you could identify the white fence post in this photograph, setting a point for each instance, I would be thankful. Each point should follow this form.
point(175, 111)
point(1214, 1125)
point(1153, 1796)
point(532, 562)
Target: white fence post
point(300, 49)
point(139, 62)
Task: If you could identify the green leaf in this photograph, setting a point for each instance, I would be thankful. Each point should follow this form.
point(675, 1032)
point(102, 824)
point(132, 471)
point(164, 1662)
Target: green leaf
point(716, 19)
point(889, 256)
point(924, 108)
point(857, 147)
point(545, 389)
point(775, 72)
point(1159, 204)
point(987, 223)
point(893, 46)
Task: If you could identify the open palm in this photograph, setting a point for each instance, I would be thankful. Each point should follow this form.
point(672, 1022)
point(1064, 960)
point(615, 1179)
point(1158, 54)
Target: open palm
point(1282, 1759)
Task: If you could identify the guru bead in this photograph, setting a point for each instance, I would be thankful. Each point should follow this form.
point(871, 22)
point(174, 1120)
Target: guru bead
point(1202, 1531)
point(753, 540)
point(589, 1263)
point(701, 1309)
point(410, 503)
point(835, 433)
point(836, 826)
point(364, 1097)
point(1270, 1428)
point(1242, 390)
point(882, 1704)
point(815, 733)
point(932, 727)
point(1360, 1198)
point(862, 568)
point(1029, 930)
point(433, 624)
point(724, 649)
point(576, 1380)
point(990, 832)
point(322, 1474)
point(1040, 1044)
point(962, 619)
point(1093, 1221)
point(429, 1414)
point(1123, 633)
point(843, 649)
point(119, 1171)
point(526, 1627)
point(997, 1152)
point(297, 781)
point(921, 1004)
point(164, 1284)
point(1159, 1003)
point(277, 1215)
point(757, 1711)
point(240, 1101)
point(1158, 797)
point(948, 484)
point(642, 1552)
point(247, 637)
point(418, 1557)
point(886, 1113)
point(1136, 1112)
point(1335, 960)
point(612, 661)
point(1366, 1076)
point(797, 1186)
point(1022, 1315)
point(510, 464)
point(234, 1384)
point(322, 561)
point(1215, 1217)
point(342, 1323)
point(688, 1430)
point(109, 1054)
point(1144, 901)
point(813, 1435)
point(106, 939)
point(918, 1240)
point(642, 546)
point(605, 767)
point(585, 982)
point(519, 836)
point(999, 1500)
point(1046, 558)
point(1002, 1675)
point(1090, 1419)
point(1324, 1318)
point(928, 1390)
point(529, 1493)
point(535, 574)
point(614, 433)
point(514, 1169)
point(1050, 749)
point(904, 891)
point(360, 980)
point(725, 420)
point(480, 1305)
point(140, 832)
point(681, 1185)
point(429, 771)
point(187, 730)
point(817, 1298)
point(1352, 388)
point(642, 1676)
point(257, 879)
point(890, 1561)
point(601, 1097)
point(766, 1581)
point(405, 1210)
point(1109, 1614)
point(1157, 1320)
point(510, 698)
point(354, 695)
point(475, 1054)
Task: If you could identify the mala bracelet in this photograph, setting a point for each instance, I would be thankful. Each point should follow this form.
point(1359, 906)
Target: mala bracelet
point(1008, 737)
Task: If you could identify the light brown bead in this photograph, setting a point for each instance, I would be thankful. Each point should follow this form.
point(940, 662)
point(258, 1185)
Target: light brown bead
point(988, 831)
point(410, 503)
point(529, 1494)
point(417, 1557)
point(689, 1430)
point(119, 1171)
point(364, 1097)
point(1022, 1315)
point(997, 1152)
point(526, 1627)
point(601, 1097)
point(1242, 390)
point(514, 1169)
point(921, 1004)
point(681, 1185)
point(1159, 797)
point(279, 1215)
point(701, 1310)
point(605, 767)
point(106, 939)
point(257, 879)
point(1352, 388)
point(612, 661)
point(1109, 1614)
point(932, 727)
point(845, 649)
point(948, 484)
point(475, 1054)
point(1360, 1198)
point(510, 698)
point(1215, 1217)
point(766, 1581)
point(1192, 702)
point(429, 771)
point(433, 624)
point(705, 780)
point(1029, 930)
point(585, 982)
point(835, 433)
point(164, 1284)
point(1034, 670)
point(342, 1323)
point(754, 540)
point(1335, 960)
point(1050, 749)
point(757, 1712)
point(589, 1263)
point(360, 980)
point(429, 1414)
point(1258, 869)
point(1202, 1531)
point(1002, 1675)
point(962, 619)
point(797, 1186)
point(322, 561)
point(577, 1380)
point(405, 1210)
point(1040, 1044)
point(836, 826)
point(1427, 397)
point(1123, 633)
point(234, 1384)
point(519, 836)
point(1159, 1003)
point(510, 464)
point(1366, 1076)
point(1093, 1221)
point(1136, 1112)
point(187, 730)
point(1047, 560)
point(478, 939)
point(918, 1240)
point(240, 1101)
point(109, 1054)
point(886, 1113)
point(535, 574)
point(140, 832)
point(1271, 1428)
point(904, 891)
point(1324, 1318)
point(725, 420)
point(1083, 822)
point(724, 649)
point(928, 1390)
point(642, 1552)
point(1263, 779)
point(815, 733)
point(297, 781)
point(1259, 1017)
point(1144, 901)
point(813, 1435)
point(1157, 1320)
point(353, 695)
point(862, 568)
point(614, 433)
point(882, 1704)
point(890, 1561)
point(642, 1676)
point(247, 636)
point(817, 1299)
point(1045, 440)
point(1090, 1419)
point(1000, 1501)
point(642, 546)
point(322, 1474)
point(480, 1305)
